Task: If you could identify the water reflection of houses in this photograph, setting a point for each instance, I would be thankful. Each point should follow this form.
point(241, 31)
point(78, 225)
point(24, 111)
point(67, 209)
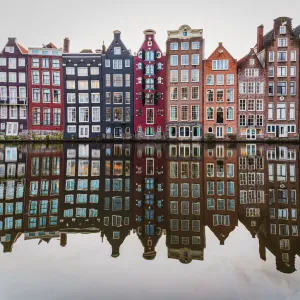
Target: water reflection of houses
point(12, 185)
point(184, 187)
point(117, 196)
point(97, 194)
point(149, 195)
point(44, 181)
point(220, 189)
point(252, 191)
point(281, 231)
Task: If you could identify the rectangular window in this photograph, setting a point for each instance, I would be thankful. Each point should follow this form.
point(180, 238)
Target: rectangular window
point(117, 64)
point(184, 76)
point(195, 93)
point(195, 113)
point(195, 75)
point(174, 76)
point(195, 59)
point(117, 80)
point(174, 60)
point(220, 65)
point(184, 60)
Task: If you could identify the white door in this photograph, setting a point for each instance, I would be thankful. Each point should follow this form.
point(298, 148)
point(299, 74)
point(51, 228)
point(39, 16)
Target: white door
point(283, 131)
point(83, 131)
point(219, 131)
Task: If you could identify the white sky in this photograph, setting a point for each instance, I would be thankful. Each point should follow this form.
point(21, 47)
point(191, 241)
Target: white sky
point(89, 22)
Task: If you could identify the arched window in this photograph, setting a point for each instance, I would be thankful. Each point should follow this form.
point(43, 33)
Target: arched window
point(158, 54)
point(209, 113)
point(149, 55)
point(230, 113)
point(149, 84)
point(159, 66)
point(210, 130)
point(139, 80)
point(158, 128)
point(150, 70)
point(140, 66)
point(229, 129)
point(149, 131)
point(140, 55)
point(159, 80)
point(220, 115)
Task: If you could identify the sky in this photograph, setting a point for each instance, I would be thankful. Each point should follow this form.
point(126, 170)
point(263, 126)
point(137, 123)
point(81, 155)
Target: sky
point(90, 22)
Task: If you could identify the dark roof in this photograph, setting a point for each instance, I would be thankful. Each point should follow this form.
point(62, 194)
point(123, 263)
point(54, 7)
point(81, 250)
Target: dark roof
point(242, 60)
point(268, 37)
point(86, 51)
point(297, 32)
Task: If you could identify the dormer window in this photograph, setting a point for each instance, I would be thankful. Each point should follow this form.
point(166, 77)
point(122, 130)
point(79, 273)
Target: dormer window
point(282, 30)
point(184, 33)
point(158, 54)
point(117, 50)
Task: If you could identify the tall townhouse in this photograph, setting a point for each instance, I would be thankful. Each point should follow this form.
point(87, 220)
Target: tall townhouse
point(279, 50)
point(185, 202)
point(45, 91)
point(252, 192)
point(12, 193)
point(184, 103)
point(220, 189)
point(13, 89)
point(252, 112)
point(43, 189)
point(149, 90)
point(82, 77)
point(149, 203)
point(282, 186)
point(117, 104)
point(220, 89)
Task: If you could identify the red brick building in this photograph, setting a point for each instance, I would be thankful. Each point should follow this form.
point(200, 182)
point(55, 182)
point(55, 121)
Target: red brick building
point(252, 112)
point(279, 51)
point(46, 91)
point(184, 100)
point(149, 89)
point(220, 95)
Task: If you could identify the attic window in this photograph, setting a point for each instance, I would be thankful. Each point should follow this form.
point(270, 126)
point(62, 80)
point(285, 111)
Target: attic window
point(9, 49)
point(251, 62)
point(117, 50)
point(149, 43)
point(140, 55)
point(282, 30)
point(184, 33)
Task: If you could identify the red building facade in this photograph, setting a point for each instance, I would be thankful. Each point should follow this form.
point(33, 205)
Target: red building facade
point(220, 102)
point(149, 89)
point(45, 91)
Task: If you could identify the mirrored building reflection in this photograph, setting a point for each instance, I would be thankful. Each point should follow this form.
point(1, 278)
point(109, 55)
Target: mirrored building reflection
point(186, 226)
point(12, 193)
point(173, 193)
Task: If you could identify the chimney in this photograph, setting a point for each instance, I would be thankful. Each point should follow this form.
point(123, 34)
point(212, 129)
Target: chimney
point(63, 239)
point(12, 40)
point(260, 38)
point(103, 48)
point(117, 34)
point(66, 45)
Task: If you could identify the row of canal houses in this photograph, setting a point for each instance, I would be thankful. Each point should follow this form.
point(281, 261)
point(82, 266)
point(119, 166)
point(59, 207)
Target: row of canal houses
point(177, 95)
point(180, 190)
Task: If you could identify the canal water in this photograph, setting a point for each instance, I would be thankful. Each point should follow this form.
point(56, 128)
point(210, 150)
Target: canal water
point(151, 220)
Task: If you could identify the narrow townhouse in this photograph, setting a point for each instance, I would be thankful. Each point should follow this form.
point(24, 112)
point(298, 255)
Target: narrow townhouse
point(13, 90)
point(220, 90)
point(184, 84)
point(117, 105)
point(149, 90)
point(252, 111)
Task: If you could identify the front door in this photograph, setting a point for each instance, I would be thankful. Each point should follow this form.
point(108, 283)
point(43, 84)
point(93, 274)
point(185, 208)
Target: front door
point(283, 131)
point(220, 132)
point(84, 131)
